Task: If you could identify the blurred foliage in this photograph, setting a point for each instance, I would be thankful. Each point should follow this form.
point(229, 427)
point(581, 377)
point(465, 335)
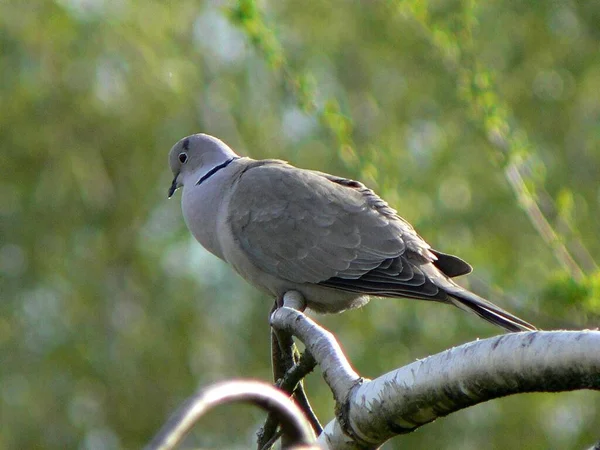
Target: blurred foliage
point(111, 314)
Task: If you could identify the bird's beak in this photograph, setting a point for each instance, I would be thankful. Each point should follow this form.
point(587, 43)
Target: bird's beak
point(174, 186)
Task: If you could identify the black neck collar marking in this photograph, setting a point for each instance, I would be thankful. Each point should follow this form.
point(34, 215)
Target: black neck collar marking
point(215, 169)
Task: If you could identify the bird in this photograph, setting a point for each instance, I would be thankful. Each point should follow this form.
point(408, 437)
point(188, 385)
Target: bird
point(332, 239)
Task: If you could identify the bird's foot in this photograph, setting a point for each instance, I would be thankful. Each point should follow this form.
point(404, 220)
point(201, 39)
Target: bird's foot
point(295, 300)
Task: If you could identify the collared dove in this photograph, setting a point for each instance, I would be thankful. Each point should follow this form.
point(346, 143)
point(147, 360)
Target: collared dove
point(330, 238)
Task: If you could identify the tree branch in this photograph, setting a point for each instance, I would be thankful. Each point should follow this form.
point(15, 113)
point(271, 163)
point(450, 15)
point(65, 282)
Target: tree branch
point(336, 369)
point(293, 423)
point(371, 412)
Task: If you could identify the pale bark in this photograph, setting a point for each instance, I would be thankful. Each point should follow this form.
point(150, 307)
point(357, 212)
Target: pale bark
point(371, 412)
point(293, 423)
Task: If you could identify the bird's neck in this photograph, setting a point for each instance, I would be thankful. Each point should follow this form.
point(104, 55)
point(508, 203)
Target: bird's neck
point(212, 164)
point(203, 195)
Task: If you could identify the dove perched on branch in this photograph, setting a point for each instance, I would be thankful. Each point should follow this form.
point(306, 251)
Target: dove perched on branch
point(330, 238)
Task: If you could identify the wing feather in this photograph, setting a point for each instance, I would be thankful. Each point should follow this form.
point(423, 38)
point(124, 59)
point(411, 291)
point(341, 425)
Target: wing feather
point(307, 227)
point(311, 227)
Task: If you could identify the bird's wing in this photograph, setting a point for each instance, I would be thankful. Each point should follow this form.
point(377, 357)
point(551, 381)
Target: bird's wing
point(310, 227)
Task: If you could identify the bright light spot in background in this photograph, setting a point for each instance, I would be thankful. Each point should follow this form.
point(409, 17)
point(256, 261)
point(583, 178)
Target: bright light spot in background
point(126, 315)
point(15, 390)
point(84, 9)
point(101, 439)
point(423, 139)
point(548, 85)
point(205, 266)
point(183, 258)
point(190, 258)
point(12, 260)
point(493, 413)
point(164, 221)
point(43, 319)
point(85, 408)
point(297, 124)
point(455, 193)
point(110, 83)
point(178, 74)
point(212, 31)
point(563, 21)
point(324, 71)
point(563, 421)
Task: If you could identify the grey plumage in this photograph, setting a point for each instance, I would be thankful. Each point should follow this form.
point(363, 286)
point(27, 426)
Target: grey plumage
point(330, 238)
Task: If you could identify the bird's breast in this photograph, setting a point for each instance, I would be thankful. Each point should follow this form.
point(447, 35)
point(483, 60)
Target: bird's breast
point(201, 206)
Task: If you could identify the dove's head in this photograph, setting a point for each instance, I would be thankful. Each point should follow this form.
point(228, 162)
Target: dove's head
point(195, 156)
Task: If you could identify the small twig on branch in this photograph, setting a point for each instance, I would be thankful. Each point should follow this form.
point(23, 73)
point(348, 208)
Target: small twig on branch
point(289, 369)
point(283, 354)
point(293, 424)
point(303, 367)
point(267, 435)
point(291, 383)
point(296, 375)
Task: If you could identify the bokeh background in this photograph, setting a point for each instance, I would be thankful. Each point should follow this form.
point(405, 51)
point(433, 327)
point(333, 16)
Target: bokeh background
point(478, 121)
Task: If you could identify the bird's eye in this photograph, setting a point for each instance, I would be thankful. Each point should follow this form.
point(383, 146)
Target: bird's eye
point(183, 157)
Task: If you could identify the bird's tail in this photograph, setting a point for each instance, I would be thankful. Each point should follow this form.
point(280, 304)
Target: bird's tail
point(469, 301)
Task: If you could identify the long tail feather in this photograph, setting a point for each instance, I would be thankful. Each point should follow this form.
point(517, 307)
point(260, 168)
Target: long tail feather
point(471, 302)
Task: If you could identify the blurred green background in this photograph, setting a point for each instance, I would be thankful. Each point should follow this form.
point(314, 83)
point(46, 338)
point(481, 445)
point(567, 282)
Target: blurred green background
point(111, 314)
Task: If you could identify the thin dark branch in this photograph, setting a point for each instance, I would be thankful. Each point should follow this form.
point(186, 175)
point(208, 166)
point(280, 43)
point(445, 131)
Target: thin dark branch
point(289, 369)
point(283, 352)
point(296, 374)
point(275, 436)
